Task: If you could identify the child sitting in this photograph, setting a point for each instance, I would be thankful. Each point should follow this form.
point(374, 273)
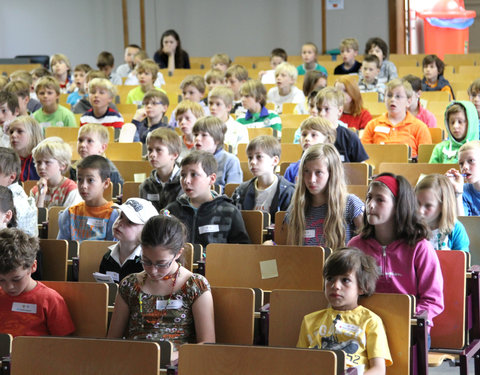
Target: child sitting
point(266, 191)
point(437, 206)
point(359, 332)
point(93, 140)
point(193, 89)
point(309, 57)
point(24, 91)
point(83, 105)
point(209, 217)
point(25, 134)
point(100, 94)
point(236, 76)
point(93, 218)
point(468, 194)
point(369, 81)
point(123, 258)
point(377, 46)
point(124, 70)
point(165, 301)
point(146, 71)
point(433, 79)
point(79, 77)
point(27, 307)
point(132, 79)
point(254, 96)
point(397, 125)
point(186, 114)
point(354, 114)
point(330, 106)
point(415, 107)
point(220, 100)
point(348, 50)
point(51, 113)
point(61, 66)
point(313, 130)
point(221, 61)
point(21, 90)
point(52, 159)
point(314, 80)
point(461, 123)
point(150, 117)
point(10, 170)
point(163, 185)
point(105, 63)
point(474, 94)
point(9, 110)
point(277, 56)
point(209, 133)
point(286, 91)
point(214, 78)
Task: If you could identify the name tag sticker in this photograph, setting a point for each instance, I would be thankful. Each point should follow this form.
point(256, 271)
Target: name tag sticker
point(172, 304)
point(115, 276)
point(139, 177)
point(382, 129)
point(268, 269)
point(153, 197)
point(95, 222)
point(310, 233)
point(29, 308)
point(212, 228)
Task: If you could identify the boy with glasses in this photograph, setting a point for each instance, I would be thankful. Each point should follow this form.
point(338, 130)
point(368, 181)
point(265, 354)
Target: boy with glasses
point(150, 117)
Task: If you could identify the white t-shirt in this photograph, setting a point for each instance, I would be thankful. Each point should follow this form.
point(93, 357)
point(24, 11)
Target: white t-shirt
point(264, 198)
point(295, 96)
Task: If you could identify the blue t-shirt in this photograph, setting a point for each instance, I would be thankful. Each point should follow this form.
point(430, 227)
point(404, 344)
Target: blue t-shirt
point(471, 200)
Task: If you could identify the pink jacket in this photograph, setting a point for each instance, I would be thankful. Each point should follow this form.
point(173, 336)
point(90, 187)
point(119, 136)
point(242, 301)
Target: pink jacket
point(408, 271)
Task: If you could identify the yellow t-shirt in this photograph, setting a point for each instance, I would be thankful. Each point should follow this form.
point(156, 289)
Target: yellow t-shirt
point(359, 333)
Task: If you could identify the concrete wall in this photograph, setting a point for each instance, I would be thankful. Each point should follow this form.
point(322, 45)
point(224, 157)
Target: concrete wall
point(81, 29)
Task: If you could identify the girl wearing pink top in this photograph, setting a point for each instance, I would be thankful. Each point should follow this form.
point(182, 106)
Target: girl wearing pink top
point(395, 235)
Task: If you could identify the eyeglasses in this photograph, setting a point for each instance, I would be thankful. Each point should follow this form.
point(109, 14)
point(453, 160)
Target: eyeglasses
point(397, 97)
point(147, 263)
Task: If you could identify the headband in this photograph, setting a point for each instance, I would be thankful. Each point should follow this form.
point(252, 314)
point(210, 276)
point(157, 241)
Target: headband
point(390, 182)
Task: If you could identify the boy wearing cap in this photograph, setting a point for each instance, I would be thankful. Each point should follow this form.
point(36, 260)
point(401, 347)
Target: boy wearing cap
point(123, 258)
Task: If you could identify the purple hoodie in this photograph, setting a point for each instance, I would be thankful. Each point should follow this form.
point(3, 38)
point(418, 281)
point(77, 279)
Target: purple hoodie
point(407, 270)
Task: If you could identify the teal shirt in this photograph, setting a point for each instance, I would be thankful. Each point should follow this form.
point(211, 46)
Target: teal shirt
point(61, 117)
point(301, 69)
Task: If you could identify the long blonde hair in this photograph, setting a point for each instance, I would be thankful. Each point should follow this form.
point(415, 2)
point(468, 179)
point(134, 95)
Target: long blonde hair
point(336, 191)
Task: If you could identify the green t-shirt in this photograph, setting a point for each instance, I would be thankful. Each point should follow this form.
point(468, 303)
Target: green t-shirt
point(61, 117)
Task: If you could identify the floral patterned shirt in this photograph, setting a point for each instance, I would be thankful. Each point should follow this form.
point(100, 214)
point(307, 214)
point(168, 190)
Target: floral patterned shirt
point(152, 319)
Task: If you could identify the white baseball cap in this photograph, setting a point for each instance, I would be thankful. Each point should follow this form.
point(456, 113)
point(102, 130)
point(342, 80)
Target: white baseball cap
point(138, 210)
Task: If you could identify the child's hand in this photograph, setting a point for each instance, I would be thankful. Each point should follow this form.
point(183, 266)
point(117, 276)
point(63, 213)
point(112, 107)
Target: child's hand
point(42, 186)
point(140, 115)
point(71, 87)
point(456, 179)
point(169, 49)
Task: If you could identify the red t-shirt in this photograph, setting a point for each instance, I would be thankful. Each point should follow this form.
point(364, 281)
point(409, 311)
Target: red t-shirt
point(39, 312)
point(357, 122)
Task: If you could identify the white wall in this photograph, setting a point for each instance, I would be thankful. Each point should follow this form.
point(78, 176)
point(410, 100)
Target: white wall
point(82, 29)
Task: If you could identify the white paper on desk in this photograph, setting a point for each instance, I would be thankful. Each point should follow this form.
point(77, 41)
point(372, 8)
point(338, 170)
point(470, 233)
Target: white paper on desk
point(102, 278)
point(139, 177)
point(268, 269)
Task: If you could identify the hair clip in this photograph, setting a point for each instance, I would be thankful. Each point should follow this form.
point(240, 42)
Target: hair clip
point(165, 212)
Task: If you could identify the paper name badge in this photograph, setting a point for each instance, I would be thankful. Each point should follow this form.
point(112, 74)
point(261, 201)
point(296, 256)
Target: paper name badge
point(172, 305)
point(114, 275)
point(269, 269)
point(30, 308)
point(102, 278)
point(95, 222)
point(382, 129)
point(212, 228)
point(153, 197)
point(139, 177)
point(310, 233)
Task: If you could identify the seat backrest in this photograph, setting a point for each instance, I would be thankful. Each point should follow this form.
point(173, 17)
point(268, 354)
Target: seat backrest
point(130, 190)
point(425, 152)
point(5, 344)
point(281, 228)
point(230, 188)
point(448, 331)
point(234, 315)
point(91, 321)
point(394, 309)
point(412, 171)
point(71, 355)
point(256, 360)
point(54, 259)
point(53, 213)
point(472, 225)
point(90, 255)
point(128, 168)
point(265, 267)
point(359, 190)
point(356, 173)
point(391, 153)
point(124, 151)
point(253, 220)
point(292, 121)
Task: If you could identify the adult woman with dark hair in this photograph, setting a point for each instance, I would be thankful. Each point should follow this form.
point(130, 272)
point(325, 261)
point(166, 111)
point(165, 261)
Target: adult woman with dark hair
point(171, 55)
